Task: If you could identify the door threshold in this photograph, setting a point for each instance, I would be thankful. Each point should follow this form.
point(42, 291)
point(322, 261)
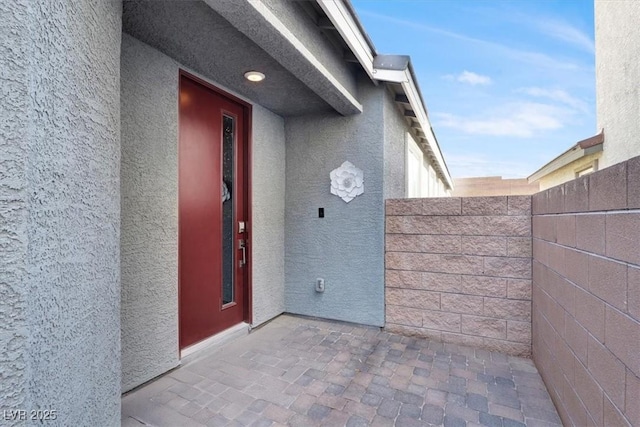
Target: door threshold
point(217, 340)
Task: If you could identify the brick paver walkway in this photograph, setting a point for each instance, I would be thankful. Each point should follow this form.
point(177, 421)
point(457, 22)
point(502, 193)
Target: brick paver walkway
point(307, 372)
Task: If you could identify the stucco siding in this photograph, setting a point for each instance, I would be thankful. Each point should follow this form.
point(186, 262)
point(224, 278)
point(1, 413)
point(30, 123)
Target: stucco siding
point(617, 77)
point(291, 36)
point(346, 246)
point(299, 22)
point(60, 125)
point(268, 185)
point(395, 134)
point(14, 202)
point(198, 37)
point(149, 241)
point(150, 206)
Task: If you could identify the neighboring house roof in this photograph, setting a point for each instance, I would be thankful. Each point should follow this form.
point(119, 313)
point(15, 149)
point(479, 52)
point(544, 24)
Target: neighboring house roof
point(581, 149)
point(393, 69)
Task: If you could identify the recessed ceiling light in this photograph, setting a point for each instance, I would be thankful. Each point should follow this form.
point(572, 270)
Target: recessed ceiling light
point(254, 76)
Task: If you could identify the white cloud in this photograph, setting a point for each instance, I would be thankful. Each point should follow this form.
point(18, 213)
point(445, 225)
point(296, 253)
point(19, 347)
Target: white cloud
point(549, 26)
point(475, 165)
point(518, 120)
point(534, 58)
point(470, 78)
point(566, 33)
point(557, 95)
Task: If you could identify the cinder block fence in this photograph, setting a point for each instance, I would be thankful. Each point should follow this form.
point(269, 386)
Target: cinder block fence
point(586, 296)
point(459, 270)
point(564, 263)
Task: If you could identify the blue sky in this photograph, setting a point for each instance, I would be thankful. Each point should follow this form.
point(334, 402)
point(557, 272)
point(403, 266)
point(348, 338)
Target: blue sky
point(508, 85)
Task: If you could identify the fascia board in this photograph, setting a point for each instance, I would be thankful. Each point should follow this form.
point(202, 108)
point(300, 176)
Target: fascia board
point(593, 144)
point(411, 90)
point(391, 76)
point(431, 140)
point(593, 149)
point(344, 23)
point(405, 79)
point(562, 160)
point(354, 106)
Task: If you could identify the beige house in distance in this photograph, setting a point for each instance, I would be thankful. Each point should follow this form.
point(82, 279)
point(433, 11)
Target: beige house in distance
point(493, 186)
point(581, 159)
point(617, 95)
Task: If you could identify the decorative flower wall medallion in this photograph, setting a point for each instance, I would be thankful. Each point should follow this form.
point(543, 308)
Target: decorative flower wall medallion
point(347, 182)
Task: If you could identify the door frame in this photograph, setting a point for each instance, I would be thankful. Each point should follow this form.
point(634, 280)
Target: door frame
point(247, 109)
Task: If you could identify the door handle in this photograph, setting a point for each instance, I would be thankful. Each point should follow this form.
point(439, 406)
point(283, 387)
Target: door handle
point(243, 247)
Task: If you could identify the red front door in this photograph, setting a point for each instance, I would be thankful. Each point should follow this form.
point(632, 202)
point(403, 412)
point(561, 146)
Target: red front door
point(212, 212)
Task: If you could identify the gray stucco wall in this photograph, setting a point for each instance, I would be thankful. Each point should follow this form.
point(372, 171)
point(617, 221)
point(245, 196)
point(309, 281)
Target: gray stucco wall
point(268, 195)
point(149, 240)
point(291, 37)
point(149, 212)
point(617, 77)
point(299, 23)
point(14, 203)
point(395, 140)
point(346, 248)
point(60, 209)
point(193, 34)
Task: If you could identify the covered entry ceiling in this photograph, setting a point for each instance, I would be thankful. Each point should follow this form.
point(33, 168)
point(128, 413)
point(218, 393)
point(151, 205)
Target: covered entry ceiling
point(197, 37)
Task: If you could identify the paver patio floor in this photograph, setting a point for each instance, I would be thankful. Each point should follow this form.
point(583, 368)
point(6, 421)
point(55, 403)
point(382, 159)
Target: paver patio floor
point(307, 372)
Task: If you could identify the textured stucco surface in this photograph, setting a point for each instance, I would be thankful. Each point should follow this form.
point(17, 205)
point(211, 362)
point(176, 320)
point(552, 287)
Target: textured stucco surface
point(193, 34)
point(395, 134)
point(617, 77)
point(60, 209)
point(14, 201)
point(268, 193)
point(303, 26)
point(149, 212)
point(346, 247)
point(149, 194)
point(286, 32)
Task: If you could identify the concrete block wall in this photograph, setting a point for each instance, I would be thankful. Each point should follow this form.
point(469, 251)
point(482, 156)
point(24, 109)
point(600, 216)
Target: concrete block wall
point(459, 270)
point(493, 186)
point(586, 296)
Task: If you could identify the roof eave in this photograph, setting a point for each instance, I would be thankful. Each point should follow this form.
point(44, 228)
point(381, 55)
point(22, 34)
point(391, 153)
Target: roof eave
point(581, 149)
point(409, 87)
point(346, 22)
point(348, 25)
